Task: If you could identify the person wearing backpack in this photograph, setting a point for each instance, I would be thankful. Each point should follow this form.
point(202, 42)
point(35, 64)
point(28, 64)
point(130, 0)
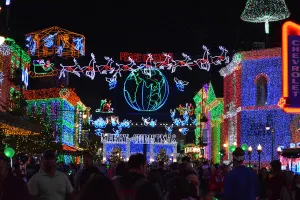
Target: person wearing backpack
point(277, 186)
point(134, 185)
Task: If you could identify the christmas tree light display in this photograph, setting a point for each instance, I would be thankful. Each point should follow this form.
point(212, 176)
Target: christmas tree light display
point(265, 11)
point(162, 156)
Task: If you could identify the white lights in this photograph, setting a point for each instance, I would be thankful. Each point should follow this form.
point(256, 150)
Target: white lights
point(2, 40)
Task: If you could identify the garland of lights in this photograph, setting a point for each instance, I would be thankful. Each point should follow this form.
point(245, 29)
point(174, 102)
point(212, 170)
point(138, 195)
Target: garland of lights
point(265, 11)
point(168, 63)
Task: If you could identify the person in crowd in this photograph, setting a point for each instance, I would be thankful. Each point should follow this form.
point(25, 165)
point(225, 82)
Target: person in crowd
point(205, 177)
point(241, 183)
point(121, 170)
point(276, 182)
point(296, 187)
point(98, 187)
point(83, 175)
point(193, 185)
point(216, 183)
point(263, 184)
point(179, 189)
point(154, 177)
point(161, 168)
point(49, 183)
point(134, 185)
point(11, 187)
point(174, 167)
point(31, 167)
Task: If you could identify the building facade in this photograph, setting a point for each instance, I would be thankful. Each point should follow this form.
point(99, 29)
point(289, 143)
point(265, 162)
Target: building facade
point(209, 133)
point(63, 108)
point(252, 90)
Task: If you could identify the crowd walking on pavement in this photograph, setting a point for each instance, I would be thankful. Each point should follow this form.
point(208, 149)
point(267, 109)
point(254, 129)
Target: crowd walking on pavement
point(136, 180)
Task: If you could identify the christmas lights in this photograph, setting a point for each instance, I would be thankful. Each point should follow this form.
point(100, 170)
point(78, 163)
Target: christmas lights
point(183, 131)
point(1, 77)
point(169, 129)
point(4, 49)
point(182, 109)
point(265, 11)
point(24, 77)
point(144, 93)
point(168, 63)
point(55, 40)
point(105, 107)
point(180, 84)
point(42, 69)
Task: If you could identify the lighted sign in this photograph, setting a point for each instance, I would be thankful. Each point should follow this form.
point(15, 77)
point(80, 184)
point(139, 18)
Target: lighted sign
point(138, 57)
point(290, 101)
point(192, 150)
point(139, 138)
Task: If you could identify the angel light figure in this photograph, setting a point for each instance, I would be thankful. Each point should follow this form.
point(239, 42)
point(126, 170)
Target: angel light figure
point(180, 84)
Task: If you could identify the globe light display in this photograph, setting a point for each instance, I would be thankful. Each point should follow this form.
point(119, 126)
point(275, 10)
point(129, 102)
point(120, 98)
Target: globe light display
point(146, 89)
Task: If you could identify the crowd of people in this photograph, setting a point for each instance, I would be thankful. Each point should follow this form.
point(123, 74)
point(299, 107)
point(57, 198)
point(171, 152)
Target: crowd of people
point(136, 180)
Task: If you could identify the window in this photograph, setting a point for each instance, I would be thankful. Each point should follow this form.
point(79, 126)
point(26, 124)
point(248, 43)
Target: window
point(261, 90)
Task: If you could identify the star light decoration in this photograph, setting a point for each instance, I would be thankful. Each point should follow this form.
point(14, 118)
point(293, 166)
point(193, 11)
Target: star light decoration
point(116, 70)
point(265, 11)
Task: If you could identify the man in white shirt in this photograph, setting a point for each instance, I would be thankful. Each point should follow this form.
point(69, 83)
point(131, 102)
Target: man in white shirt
point(50, 184)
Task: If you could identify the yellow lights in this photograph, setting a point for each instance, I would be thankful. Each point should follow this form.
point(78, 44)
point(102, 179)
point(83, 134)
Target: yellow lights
point(225, 145)
point(235, 144)
point(11, 130)
point(84, 116)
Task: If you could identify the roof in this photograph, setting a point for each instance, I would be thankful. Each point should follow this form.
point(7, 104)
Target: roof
point(64, 93)
point(249, 55)
point(22, 126)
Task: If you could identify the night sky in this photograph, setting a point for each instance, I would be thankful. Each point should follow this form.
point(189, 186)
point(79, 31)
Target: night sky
point(146, 26)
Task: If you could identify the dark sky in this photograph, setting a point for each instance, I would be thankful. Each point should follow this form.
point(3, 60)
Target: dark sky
point(146, 26)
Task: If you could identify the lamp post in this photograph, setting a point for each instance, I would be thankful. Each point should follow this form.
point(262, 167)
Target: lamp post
point(259, 150)
point(268, 127)
point(249, 154)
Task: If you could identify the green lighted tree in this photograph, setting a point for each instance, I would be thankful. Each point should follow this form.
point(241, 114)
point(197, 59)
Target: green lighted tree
point(162, 156)
point(92, 145)
point(265, 11)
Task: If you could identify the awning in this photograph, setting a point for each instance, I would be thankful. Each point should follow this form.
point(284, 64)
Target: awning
point(13, 125)
point(291, 153)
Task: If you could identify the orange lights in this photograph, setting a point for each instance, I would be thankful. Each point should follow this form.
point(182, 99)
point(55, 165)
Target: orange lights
point(11, 130)
point(290, 68)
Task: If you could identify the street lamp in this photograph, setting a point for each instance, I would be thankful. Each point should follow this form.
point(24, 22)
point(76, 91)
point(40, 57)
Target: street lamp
point(249, 154)
point(259, 150)
point(279, 150)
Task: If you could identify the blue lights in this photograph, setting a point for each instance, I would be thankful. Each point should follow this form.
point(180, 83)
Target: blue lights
point(100, 123)
point(79, 46)
point(169, 129)
point(271, 67)
point(180, 84)
point(144, 92)
point(125, 124)
point(253, 131)
point(49, 40)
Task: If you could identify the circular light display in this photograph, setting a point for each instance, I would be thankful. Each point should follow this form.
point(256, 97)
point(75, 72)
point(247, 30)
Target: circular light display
point(146, 89)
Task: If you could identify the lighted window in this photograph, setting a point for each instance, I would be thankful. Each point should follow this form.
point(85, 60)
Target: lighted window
point(261, 90)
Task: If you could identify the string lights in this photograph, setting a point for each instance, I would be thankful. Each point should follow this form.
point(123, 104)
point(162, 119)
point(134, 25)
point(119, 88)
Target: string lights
point(55, 41)
point(265, 11)
point(244, 116)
